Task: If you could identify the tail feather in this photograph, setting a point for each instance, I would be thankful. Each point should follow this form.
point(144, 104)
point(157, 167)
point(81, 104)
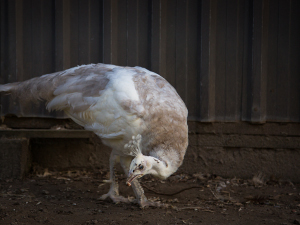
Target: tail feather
point(75, 83)
point(35, 89)
point(7, 88)
point(43, 87)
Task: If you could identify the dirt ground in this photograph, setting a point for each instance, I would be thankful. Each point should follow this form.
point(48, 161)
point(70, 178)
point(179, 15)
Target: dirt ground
point(72, 197)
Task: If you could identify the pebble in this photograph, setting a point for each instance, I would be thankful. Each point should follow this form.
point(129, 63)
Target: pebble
point(45, 192)
point(296, 221)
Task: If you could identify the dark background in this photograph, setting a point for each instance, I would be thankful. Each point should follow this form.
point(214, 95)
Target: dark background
point(230, 60)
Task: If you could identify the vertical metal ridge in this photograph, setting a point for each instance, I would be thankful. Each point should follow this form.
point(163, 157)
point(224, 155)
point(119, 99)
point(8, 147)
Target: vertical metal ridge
point(155, 37)
point(18, 38)
point(181, 56)
point(66, 33)
point(259, 66)
point(229, 60)
point(208, 63)
point(294, 106)
point(107, 31)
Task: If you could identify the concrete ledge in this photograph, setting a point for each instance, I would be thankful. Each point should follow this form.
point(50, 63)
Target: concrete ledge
point(45, 133)
point(14, 157)
point(241, 128)
point(244, 141)
point(243, 150)
point(60, 153)
point(243, 162)
point(226, 149)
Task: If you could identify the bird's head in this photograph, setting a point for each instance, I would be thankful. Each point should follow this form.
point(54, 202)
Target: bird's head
point(139, 167)
point(142, 164)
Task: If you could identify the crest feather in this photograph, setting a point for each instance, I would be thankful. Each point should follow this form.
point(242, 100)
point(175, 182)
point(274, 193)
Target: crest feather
point(133, 147)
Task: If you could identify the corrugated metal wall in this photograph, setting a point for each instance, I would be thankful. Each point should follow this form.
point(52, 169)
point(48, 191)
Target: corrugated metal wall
point(230, 60)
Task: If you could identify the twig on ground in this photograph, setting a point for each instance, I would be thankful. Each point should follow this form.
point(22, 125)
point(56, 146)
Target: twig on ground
point(167, 194)
point(196, 208)
point(16, 195)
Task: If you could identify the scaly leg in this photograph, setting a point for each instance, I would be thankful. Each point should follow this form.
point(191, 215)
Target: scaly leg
point(113, 192)
point(141, 199)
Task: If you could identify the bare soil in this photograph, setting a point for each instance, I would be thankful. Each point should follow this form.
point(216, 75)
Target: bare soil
point(72, 197)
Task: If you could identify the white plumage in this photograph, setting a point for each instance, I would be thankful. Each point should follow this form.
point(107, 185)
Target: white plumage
point(124, 106)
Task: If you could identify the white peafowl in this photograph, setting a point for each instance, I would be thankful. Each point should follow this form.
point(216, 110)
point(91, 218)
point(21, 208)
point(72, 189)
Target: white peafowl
point(134, 111)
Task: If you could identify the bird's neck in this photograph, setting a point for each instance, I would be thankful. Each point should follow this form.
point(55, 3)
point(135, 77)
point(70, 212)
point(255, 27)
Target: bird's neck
point(161, 169)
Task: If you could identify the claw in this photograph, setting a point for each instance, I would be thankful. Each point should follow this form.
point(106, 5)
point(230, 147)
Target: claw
point(107, 181)
point(115, 198)
point(147, 204)
point(104, 182)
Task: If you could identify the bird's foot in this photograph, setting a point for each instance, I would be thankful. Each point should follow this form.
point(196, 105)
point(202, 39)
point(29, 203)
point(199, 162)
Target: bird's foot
point(105, 182)
point(146, 204)
point(115, 198)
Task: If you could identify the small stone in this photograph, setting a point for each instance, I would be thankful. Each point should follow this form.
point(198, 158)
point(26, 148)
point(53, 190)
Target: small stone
point(296, 221)
point(45, 192)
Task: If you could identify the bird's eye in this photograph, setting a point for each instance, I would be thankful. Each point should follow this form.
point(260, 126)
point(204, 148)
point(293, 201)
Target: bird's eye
point(141, 167)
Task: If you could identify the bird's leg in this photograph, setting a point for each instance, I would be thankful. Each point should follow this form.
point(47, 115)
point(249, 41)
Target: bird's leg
point(141, 199)
point(113, 192)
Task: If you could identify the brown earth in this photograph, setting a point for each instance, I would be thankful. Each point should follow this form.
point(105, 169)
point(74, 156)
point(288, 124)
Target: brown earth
point(71, 198)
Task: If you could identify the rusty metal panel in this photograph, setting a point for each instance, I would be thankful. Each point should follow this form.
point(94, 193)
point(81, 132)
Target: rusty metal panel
point(230, 60)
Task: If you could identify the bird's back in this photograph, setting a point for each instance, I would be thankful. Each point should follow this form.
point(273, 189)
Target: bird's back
point(166, 133)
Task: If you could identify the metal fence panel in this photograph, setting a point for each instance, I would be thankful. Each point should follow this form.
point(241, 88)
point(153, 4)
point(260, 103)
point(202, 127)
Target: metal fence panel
point(230, 60)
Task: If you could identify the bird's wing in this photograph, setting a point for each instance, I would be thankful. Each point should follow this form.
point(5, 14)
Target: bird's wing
point(99, 97)
point(103, 101)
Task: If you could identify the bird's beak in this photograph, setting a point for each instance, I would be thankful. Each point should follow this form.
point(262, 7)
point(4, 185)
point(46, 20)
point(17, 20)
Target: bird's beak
point(132, 177)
